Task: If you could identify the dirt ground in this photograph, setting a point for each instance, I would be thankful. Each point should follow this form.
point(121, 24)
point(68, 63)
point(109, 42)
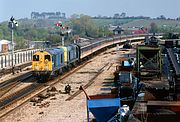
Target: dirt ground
point(56, 108)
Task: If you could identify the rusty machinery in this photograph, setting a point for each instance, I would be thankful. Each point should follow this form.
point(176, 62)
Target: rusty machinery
point(148, 61)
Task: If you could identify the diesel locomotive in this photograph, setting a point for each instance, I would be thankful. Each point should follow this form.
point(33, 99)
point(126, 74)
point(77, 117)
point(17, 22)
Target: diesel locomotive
point(51, 62)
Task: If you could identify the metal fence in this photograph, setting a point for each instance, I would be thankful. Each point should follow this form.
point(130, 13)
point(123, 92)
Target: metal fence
point(19, 57)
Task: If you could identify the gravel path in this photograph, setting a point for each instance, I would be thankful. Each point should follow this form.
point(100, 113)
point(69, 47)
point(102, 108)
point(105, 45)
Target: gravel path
point(56, 109)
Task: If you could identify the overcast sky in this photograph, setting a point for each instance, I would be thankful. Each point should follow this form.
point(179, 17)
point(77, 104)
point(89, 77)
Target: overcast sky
point(152, 8)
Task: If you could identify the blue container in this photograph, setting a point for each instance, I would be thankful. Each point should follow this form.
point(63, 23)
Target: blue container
point(127, 64)
point(103, 109)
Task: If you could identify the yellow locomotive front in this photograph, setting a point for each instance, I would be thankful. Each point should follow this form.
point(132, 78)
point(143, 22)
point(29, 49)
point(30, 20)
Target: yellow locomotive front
point(42, 64)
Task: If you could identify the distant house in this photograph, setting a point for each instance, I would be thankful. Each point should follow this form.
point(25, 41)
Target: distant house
point(5, 46)
point(118, 30)
point(48, 15)
point(111, 28)
point(137, 30)
point(174, 36)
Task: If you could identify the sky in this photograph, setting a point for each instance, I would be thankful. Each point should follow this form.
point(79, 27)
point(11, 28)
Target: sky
point(152, 8)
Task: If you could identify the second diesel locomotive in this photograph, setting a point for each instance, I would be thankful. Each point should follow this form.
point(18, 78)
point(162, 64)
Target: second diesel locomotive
point(51, 62)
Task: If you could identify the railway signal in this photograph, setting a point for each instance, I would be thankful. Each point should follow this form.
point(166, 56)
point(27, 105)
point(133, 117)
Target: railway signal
point(12, 24)
point(58, 24)
point(64, 30)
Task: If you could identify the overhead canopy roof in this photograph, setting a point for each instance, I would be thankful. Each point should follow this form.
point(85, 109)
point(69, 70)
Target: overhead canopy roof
point(4, 42)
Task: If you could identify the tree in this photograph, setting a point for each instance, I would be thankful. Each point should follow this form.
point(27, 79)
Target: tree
point(178, 19)
point(74, 16)
point(123, 15)
point(153, 28)
point(20, 43)
point(161, 17)
point(116, 16)
point(84, 26)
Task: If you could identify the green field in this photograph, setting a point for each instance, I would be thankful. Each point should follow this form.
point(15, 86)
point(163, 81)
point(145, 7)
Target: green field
point(137, 22)
point(102, 22)
point(146, 23)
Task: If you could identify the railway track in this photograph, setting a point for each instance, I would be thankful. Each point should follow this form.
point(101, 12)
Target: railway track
point(16, 68)
point(9, 84)
point(17, 95)
point(11, 102)
point(91, 81)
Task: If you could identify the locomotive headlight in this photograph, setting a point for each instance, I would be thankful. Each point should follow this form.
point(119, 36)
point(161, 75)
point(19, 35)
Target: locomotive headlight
point(36, 67)
point(46, 61)
point(46, 68)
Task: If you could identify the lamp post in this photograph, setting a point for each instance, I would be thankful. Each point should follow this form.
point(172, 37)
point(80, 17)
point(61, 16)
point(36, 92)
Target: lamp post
point(12, 24)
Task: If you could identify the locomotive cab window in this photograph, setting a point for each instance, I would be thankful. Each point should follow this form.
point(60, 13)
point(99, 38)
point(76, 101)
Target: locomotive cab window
point(69, 55)
point(35, 57)
point(47, 57)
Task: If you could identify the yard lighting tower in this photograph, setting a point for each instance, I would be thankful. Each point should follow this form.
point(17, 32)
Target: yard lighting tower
point(12, 24)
